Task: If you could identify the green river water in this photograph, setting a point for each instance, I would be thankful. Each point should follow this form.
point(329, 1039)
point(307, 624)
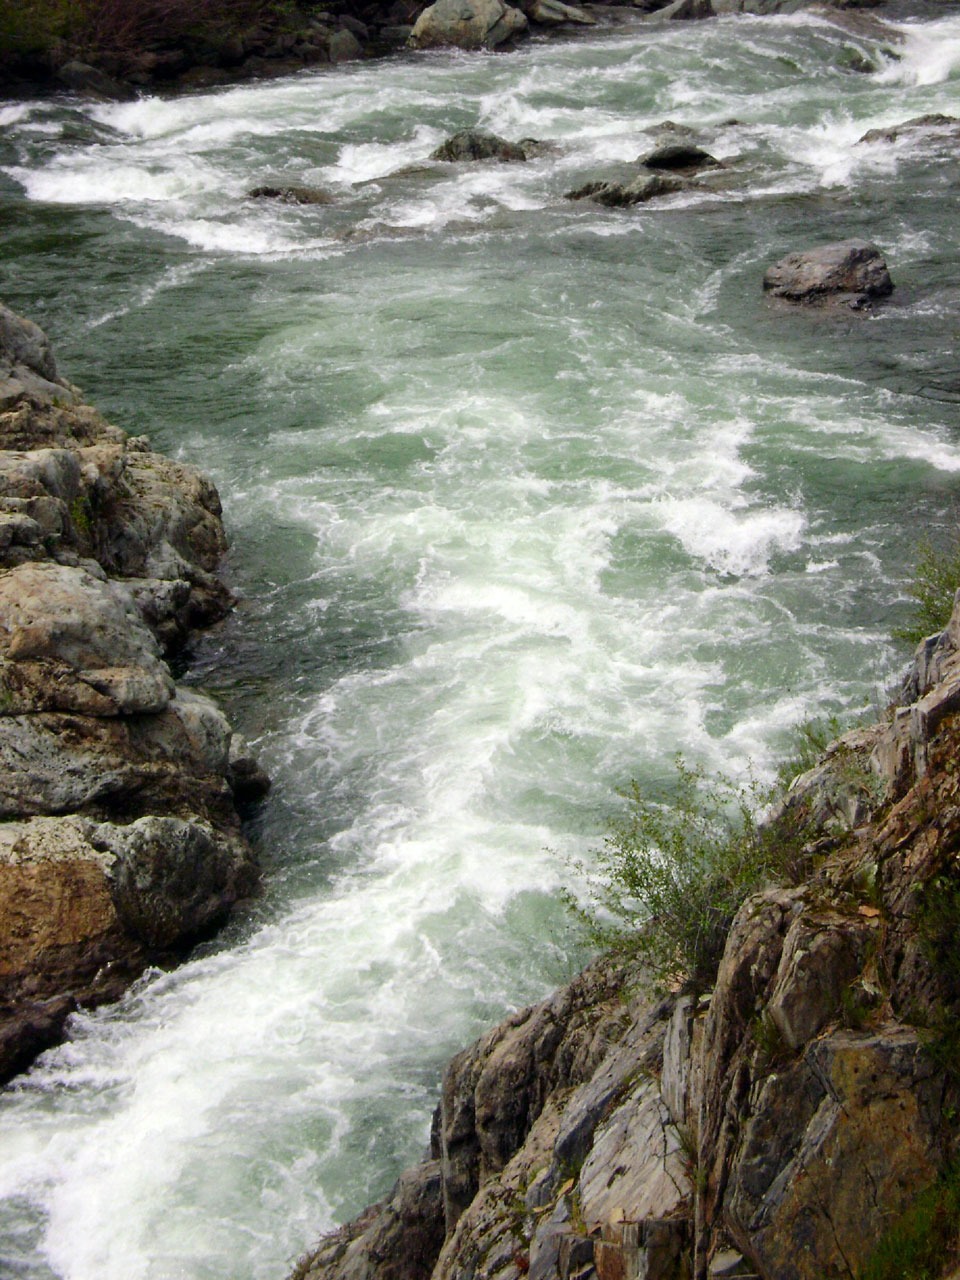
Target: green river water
point(525, 497)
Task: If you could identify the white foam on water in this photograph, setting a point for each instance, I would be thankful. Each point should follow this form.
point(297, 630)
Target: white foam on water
point(14, 114)
point(930, 54)
point(729, 541)
point(90, 180)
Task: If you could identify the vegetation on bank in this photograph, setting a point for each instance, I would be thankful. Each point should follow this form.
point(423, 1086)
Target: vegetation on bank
point(52, 30)
point(932, 591)
point(923, 1244)
point(670, 877)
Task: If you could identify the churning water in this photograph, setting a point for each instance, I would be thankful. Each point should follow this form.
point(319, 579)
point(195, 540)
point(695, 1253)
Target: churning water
point(526, 496)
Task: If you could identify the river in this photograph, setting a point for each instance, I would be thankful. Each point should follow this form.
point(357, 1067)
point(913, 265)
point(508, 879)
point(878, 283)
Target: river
point(525, 496)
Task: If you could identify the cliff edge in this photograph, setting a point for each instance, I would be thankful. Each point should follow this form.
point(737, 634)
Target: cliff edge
point(120, 842)
point(777, 1126)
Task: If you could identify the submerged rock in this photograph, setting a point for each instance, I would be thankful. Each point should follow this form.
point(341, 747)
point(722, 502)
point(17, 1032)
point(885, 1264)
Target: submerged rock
point(467, 24)
point(619, 195)
point(291, 195)
point(477, 144)
point(850, 272)
point(936, 122)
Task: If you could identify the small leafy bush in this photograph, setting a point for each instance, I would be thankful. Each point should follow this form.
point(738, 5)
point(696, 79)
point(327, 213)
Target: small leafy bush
point(669, 878)
point(935, 582)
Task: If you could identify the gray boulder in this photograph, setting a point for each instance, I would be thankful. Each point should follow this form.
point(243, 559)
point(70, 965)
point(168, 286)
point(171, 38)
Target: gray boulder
point(344, 46)
point(935, 122)
point(291, 194)
point(553, 13)
point(173, 880)
point(477, 144)
point(27, 366)
point(620, 195)
point(467, 24)
point(93, 83)
point(679, 157)
point(850, 272)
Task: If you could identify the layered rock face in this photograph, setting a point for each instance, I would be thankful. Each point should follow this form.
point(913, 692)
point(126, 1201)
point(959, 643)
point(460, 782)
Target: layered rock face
point(773, 1127)
point(120, 842)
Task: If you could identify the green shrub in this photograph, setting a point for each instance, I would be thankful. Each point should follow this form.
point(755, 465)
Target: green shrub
point(922, 1244)
point(669, 878)
point(935, 582)
point(810, 739)
point(91, 27)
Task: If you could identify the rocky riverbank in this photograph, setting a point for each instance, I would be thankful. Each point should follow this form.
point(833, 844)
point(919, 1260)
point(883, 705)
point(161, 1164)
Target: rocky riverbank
point(177, 49)
point(120, 842)
point(776, 1126)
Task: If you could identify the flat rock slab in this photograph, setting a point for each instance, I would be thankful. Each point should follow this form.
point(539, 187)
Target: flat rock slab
point(850, 272)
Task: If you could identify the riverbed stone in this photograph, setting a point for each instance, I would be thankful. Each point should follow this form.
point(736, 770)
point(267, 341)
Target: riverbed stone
point(478, 144)
point(637, 189)
point(678, 157)
point(286, 194)
point(852, 272)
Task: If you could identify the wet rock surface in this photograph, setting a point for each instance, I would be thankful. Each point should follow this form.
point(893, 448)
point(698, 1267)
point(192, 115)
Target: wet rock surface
point(120, 842)
point(851, 273)
point(478, 144)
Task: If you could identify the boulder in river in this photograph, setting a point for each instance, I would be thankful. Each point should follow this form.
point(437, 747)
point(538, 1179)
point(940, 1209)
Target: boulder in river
point(619, 195)
point(849, 272)
point(935, 122)
point(467, 24)
point(291, 194)
point(477, 144)
point(679, 157)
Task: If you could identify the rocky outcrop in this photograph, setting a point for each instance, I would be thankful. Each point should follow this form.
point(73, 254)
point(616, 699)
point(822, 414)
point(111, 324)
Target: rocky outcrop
point(774, 1126)
point(467, 24)
point(120, 842)
point(849, 273)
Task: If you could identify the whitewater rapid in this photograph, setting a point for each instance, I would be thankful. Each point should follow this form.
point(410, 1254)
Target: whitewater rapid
point(525, 498)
